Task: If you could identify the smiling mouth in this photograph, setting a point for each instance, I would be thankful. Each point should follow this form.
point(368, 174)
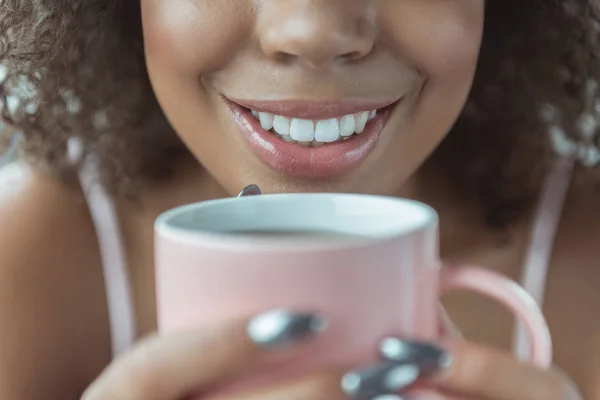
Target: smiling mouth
point(314, 132)
point(311, 139)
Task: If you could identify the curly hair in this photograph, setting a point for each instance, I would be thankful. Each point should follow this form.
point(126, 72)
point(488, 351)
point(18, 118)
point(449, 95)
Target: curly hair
point(75, 68)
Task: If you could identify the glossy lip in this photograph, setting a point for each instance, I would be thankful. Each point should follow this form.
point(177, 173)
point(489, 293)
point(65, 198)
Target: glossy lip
point(328, 160)
point(312, 109)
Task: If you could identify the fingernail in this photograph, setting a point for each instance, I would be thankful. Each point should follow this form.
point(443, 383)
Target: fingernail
point(429, 358)
point(281, 328)
point(250, 190)
point(379, 380)
point(390, 397)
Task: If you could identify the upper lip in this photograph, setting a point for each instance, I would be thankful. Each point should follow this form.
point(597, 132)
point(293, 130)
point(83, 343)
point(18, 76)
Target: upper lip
point(309, 109)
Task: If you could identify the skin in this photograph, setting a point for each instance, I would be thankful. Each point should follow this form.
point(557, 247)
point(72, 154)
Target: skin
point(404, 51)
point(196, 50)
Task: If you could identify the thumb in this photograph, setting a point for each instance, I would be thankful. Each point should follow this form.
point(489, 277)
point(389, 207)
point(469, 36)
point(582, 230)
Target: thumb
point(171, 366)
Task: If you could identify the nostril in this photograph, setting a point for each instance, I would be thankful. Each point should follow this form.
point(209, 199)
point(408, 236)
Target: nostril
point(350, 56)
point(285, 57)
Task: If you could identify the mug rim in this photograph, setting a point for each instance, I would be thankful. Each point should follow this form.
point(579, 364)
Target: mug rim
point(164, 227)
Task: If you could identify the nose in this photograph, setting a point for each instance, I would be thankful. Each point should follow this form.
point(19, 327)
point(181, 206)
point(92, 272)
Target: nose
point(316, 33)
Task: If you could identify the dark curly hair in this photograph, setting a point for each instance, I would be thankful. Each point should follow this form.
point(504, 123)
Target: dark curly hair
point(75, 68)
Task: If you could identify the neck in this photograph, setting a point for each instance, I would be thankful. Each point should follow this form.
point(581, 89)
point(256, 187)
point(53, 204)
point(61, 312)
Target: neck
point(462, 223)
point(189, 183)
point(461, 218)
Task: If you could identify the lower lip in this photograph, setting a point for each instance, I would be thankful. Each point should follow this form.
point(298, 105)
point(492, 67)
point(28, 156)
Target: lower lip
point(327, 160)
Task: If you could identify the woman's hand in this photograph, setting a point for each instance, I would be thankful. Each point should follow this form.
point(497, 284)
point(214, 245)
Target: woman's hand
point(466, 371)
point(175, 366)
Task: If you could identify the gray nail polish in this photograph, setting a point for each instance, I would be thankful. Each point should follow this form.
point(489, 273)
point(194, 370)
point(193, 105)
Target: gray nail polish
point(281, 328)
point(250, 190)
point(389, 397)
point(382, 379)
point(430, 359)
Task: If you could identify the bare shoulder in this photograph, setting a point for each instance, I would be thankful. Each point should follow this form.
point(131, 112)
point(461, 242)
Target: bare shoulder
point(54, 335)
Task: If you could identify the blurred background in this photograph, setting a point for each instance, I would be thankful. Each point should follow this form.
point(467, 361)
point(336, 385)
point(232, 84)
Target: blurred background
point(8, 156)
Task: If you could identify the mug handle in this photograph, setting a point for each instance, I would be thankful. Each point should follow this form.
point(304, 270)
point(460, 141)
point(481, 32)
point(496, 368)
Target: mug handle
point(509, 294)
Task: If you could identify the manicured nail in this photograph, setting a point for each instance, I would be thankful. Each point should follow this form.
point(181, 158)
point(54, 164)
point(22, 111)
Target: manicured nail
point(250, 190)
point(379, 380)
point(281, 328)
point(390, 397)
point(429, 358)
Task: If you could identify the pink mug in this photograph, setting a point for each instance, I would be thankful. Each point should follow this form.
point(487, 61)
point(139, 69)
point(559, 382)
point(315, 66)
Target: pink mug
point(369, 263)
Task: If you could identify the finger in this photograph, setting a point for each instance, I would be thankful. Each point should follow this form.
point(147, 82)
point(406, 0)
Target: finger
point(497, 375)
point(477, 371)
point(573, 392)
point(166, 368)
point(430, 394)
point(317, 387)
point(324, 386)
point(379, 380)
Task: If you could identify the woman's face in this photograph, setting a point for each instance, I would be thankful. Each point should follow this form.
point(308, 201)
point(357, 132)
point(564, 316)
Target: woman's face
point(312, 95)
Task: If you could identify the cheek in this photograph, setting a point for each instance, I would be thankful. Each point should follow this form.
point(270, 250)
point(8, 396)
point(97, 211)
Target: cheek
point(194, 36)
point(441, 38)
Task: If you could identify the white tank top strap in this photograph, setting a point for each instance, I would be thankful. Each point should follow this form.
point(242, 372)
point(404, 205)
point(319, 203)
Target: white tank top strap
point(545, 225)
point(114, 264)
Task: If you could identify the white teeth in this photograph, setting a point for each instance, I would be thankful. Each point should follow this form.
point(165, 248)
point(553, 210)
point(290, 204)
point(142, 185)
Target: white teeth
point(281, 125)
point(314, 133)
point(361, 121)
point(302, 130)
point(266, 120)
point(327, 131)
point(347, 125)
